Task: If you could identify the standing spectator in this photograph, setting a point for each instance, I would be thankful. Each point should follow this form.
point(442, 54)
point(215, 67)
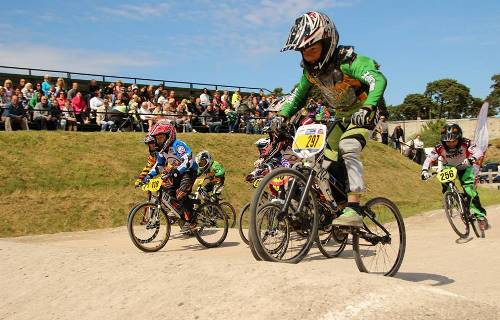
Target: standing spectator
point(16, 115)
point(383, 129)
point(79, 108)
point(119, 88)
point(162, 98)
point(103, 118)
point(142, 92)
point(205, 98)
point(211, 120)
point(171, 98)
point(72, 92)
point(93, 87)
point(9, 88)
point(42, 115)
point(68, 119)
point(3, 103)
point(419, 150)
point(22, 83)
point(216, 101)
point(263, 105)
point(225, 100)
point(236, 98)
point(109, 89)
point(94, 103)
point(150, 92)
point(398, 136)
point(60, 86)
point(197, 112)
point(38, 88)
point(232, 119)
point(158, 91)
point(27, 91)
point(46, 85)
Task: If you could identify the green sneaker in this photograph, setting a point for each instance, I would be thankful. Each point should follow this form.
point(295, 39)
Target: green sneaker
point(349, 218)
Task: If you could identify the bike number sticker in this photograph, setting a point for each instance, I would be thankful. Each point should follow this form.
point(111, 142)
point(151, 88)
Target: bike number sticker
point(309, 140)
point(154, 185)
point(447, 175)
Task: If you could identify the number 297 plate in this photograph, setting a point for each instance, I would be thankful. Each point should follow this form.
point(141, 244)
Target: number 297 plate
point(309, 140)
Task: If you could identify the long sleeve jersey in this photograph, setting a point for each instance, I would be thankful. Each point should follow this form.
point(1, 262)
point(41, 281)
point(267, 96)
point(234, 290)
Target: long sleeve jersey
point(355, 78)
point(453, 157)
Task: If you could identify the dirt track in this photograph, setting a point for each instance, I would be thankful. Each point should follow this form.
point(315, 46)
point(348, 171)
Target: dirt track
point(101, 275)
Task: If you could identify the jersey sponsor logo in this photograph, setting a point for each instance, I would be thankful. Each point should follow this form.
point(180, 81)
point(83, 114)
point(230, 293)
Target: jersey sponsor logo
point(368, 77)
point(180, 150)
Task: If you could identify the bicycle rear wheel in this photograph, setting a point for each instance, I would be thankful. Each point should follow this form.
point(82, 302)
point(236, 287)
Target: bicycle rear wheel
point(244, 217)
point(379, 246)
point(212, 225)
point(230, 213)
point(455, 213)
point(148, 227)
point(331, 241)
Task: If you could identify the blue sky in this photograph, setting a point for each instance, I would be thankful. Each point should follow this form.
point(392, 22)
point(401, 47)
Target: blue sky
point(238, 42)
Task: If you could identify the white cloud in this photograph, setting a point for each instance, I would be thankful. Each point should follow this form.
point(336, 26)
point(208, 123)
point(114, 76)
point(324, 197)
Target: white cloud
point(257, 29)
point(137, 12)
point(68, 59)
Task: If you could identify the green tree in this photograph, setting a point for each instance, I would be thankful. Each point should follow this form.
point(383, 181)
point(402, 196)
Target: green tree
point(451, 97)
point(417, 105)
point(431, 132)
point(494, 96)
point(278, 92)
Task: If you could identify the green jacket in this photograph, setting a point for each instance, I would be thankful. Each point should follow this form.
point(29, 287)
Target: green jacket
point(216, 169)
point(356, 79)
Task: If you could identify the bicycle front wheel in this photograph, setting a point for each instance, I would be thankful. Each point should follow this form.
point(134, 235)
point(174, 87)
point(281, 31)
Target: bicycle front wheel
point(279, 231)
point(379, 246)
point(455, 213)
point(148, 227)
point(244, 217)
point(212, 225)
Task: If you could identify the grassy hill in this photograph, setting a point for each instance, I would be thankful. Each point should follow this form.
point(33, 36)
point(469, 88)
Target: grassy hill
point(67, 181)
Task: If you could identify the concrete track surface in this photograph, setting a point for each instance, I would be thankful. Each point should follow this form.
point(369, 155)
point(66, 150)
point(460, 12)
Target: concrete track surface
point(101, 275)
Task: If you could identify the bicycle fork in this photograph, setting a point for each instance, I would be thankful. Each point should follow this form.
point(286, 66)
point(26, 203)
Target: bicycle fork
point(303, 198)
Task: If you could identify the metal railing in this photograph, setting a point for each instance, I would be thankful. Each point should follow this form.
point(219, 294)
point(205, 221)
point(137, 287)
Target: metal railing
point(69, 75)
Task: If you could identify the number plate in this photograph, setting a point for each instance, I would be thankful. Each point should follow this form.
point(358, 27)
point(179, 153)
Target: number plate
point(309, 140)
point(447, 175)
point(198, 182)
point(153, 185)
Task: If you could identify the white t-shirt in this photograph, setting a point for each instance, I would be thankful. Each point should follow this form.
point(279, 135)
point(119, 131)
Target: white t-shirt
point(95, 103)
point(145, 114)
point(205, 99)
point(418, 144)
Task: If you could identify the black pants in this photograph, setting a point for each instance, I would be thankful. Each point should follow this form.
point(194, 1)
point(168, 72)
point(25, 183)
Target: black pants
point(385, 138)
point(179, 188)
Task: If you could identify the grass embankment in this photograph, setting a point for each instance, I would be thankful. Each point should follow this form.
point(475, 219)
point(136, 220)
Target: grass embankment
point(62, 181)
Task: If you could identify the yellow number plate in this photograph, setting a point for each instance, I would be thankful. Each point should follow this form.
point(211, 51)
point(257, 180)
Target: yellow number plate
point(153, 185)
point(447, 175)
point(309, 140)
point(257, 182)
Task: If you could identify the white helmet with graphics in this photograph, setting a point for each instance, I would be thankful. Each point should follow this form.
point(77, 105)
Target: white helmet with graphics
point(309, 29)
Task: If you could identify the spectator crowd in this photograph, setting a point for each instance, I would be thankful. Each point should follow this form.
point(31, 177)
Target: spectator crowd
point(116, 106)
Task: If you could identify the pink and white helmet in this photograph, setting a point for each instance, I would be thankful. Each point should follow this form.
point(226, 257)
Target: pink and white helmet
point(310, 28)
